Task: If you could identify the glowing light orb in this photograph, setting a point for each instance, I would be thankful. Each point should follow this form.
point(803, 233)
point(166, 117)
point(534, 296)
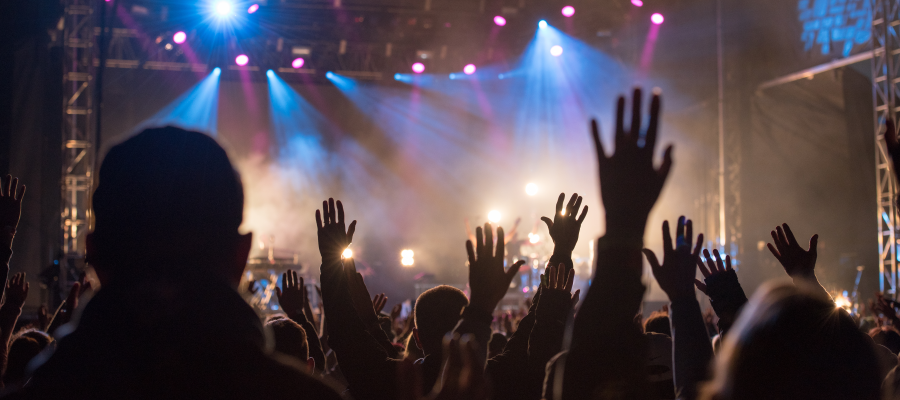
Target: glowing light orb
point(500, 21)
point(407, 262)
point(469, 69)
point(179, 37)
point(241, 60)
point(657, 18)
point(494, 216)
point(637, 3)
point(270, 73)
point(253, 9)
point(418, 68)
point(531, 189)
point(297, 63)
point(568, 11)
point(534, 238)
point(347, 253)
point(542, 24)
point(556, 51)
point(407, 253)
point(223, 8)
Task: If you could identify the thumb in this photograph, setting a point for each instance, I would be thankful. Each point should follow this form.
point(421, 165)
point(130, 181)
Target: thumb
point(278, 293)
point(813, 242)
point(700, 285)
point(548, 221)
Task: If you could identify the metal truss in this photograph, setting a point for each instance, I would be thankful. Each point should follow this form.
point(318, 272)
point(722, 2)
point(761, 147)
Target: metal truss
point(885, 64)
point(78, 151)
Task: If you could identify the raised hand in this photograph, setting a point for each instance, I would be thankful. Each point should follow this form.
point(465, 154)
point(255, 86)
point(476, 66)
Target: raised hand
point(332, 234)
point(629, 183)
point(292, 294)
point(379, 302)
point(564, 226)
point(359, 294)
point(798, 263)
point(10, 206)
point(17, 290)
point(487, 278)
point(558, 279)
point(676, 275)
point(251, 287)
point(715, 267)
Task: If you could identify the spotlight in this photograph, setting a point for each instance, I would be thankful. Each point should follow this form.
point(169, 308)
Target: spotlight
point(657, 18)
point(169, 46)
point(217, 70)
point(418, 68)
point(500, 21)
point(241, 60)
point(533, 238)
point(254, 8)
point(637, 3)
point(407, 253)
point(397, 77)
point(223, 8)
point(494, 216)
point(542, 24)
point(469, 69)
point(568, 11)
point(329, 75)
point(270, 73)
point(556, 51)
point(179, 37)
point(531, 189)
point(297, 63)
point(347, 253)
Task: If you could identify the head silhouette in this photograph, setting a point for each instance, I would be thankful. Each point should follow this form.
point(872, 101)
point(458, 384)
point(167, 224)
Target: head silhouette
point(168, 201)
point(788, 343)
point(437, 312)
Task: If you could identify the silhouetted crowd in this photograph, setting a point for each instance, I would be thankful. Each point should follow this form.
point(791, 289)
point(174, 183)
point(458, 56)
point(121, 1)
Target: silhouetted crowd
point(168, 320)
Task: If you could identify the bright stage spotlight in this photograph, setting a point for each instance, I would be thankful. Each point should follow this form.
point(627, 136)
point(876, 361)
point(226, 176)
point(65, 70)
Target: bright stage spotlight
point(223, 8)
point(179, 37)
point(398, 77)
point(494, 216)
point(500, 21)
point(568, 11)
point(637, 3)
point(329, 74)
point(217, 70)
point(270, 73)
point(347, 253)
point(297, 63)
point(406, 258)
point(469, 69)
point(254, 8)
point(542, 24)
point(531, 189)
point(657, 18)
point(556, 51)
point(241, 60)
point(418, 68)
point(533, 238)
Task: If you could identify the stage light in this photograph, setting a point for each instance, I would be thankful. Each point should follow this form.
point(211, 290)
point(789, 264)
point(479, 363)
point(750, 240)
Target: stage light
point(657, 18)
point(297, 63)
point(418, 68)
point(568, 11)
point(223, 8)
point(241, 60)
point(533, 238)
point(270, 73)
point(253, 9)
point(397, 77)
point(500, 21)
point(542, 24)
point(531, 189)
point(494, 216)
point(407, 253)
point(217, 70)
point(347, 253)
point(469, 69)
point(556, 51)
point(638, 3)
point(169, 46)
point(329, 75)
point(406, 258)
point(179, 37)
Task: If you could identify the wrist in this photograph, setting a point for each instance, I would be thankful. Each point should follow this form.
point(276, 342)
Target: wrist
point(625, 228)
point(482, 307)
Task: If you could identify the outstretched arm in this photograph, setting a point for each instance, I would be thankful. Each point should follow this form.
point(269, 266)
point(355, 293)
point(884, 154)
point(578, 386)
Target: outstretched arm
point(799, 264)
point(691, 349)
point(294, 300)
point(554, 308)
point(16, 293)
point(722, 286)
point(11, 194)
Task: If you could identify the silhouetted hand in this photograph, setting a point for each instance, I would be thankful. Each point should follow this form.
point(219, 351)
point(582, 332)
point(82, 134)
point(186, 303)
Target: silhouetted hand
point(379, 302)
point(10, 207)
point(629, 183)
point(251, 287)
point(333, 237)
point(798, 263)
point(292, 294)
point(676, 275)
point(17, 290)
point(359, 294)
point(564, 227)
point(715, 267)
point(487, 277)
point(462, 378)
point(558, 279)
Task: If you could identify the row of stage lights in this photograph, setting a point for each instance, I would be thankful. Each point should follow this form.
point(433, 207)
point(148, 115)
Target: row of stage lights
point(224, 9)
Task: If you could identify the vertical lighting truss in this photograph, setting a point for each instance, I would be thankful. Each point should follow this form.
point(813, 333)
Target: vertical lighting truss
point(885, 64)
point(77, 128)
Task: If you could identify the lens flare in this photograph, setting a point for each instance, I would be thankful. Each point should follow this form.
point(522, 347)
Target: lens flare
point(223, 8)
point(637, 3)
point(347, 253)
point(556, 51)
point(253, 9)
